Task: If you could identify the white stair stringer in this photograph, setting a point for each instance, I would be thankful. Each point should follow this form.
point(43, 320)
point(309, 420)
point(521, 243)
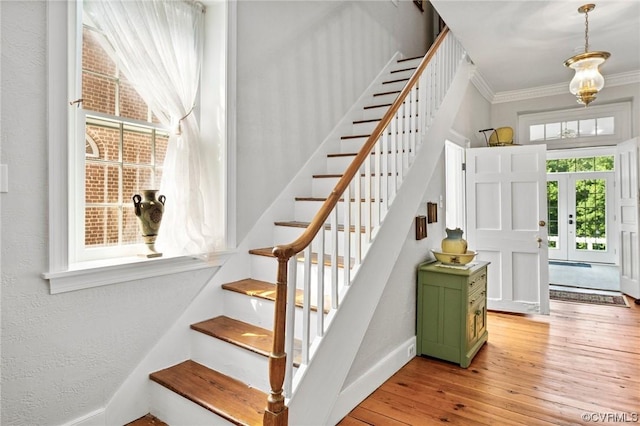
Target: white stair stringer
point(135, 397)
point(317, 387)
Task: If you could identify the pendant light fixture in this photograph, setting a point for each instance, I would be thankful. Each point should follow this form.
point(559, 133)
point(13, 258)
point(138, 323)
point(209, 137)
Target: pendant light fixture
point(587, 81)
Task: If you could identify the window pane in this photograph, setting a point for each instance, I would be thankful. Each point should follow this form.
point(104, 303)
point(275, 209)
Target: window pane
point(131, 104)
point(135, 179)
point(98, 93)
point(536, 133)
point(605, 126)
point(94, 57)
point(552, 209)
point(101, 226)
point(585, 164)
point(604, 164)
point(102, 183)
point(136, 146)
point(552, 130)
point(569, 129)
point(587, 127)
point(162, 142)
point(130, 228)
point(106, 138)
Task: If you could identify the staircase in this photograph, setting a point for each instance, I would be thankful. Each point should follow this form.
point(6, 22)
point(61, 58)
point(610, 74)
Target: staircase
point(236, 363)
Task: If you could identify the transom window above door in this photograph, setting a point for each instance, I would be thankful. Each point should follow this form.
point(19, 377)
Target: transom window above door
point(577, 127)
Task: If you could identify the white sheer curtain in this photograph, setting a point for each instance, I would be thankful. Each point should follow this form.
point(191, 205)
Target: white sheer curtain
point(158, 45)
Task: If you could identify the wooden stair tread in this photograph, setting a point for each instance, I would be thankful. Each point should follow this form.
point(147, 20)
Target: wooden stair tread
point(409, 59)
point(148, 420)
point(371, 120)
point(404, 69)
point(392, 92)
point(353, 154)
point(248, 336)
point(327, 227)
point(214, 391)
point(265, 290)
point(268, 252)
point(354, 137)
point(377, 106)
point(323, 199)
point(399, 80)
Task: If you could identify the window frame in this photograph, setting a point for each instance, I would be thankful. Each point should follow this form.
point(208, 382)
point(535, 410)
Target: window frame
point(621, 112)
point(63, 274)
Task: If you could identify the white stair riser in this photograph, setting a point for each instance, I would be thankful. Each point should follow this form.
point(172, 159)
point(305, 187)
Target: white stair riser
point(337, 165)
point(395, 86)
point(287, 234)
point(176, 410)
point(321, 187)
point(265, 269)
point(304, 211)
point(371, 113)
point(234, 361)
point(364, 128)
point(386, 98)
point(402, 74)
point(259, 311)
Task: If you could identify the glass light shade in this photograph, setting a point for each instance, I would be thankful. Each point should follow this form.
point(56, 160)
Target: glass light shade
point(587, 81)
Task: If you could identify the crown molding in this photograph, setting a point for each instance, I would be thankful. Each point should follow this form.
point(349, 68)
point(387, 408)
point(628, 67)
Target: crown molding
point(559, 89)
point(481, 84)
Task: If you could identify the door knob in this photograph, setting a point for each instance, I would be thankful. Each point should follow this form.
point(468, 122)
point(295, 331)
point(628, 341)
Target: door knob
point(542, 223)
point(539, 241)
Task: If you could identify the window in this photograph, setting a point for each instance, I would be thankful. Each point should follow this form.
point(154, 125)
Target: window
point(593, 126)
point(124, 151)
point(102, 153)
point(572, 129)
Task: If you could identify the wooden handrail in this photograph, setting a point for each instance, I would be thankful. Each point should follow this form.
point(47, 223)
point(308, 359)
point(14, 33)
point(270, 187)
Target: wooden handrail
point(276, 412)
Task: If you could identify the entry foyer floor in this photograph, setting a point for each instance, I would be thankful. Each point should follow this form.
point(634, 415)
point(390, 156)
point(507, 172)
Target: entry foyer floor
point(594, 276)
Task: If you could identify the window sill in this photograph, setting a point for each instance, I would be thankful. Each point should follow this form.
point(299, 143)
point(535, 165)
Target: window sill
point(96, 274)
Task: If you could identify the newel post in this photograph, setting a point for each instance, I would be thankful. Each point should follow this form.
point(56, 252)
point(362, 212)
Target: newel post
point(276, 413)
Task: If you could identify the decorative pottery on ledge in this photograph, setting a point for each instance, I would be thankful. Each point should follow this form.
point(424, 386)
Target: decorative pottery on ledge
point(149, 209)
point(454, 249)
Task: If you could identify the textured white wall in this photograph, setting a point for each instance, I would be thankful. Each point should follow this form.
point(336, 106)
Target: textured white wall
point(63, 356)
point(301, 65)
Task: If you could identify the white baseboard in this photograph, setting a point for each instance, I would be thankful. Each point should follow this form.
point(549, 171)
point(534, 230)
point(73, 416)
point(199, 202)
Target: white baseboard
point(356, 392)
point(95, 418)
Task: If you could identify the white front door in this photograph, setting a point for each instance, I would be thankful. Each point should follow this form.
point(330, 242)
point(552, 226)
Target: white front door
point(506, 217)
point(627, 208)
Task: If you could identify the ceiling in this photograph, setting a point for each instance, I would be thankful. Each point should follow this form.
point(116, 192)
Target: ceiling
point(520, 45)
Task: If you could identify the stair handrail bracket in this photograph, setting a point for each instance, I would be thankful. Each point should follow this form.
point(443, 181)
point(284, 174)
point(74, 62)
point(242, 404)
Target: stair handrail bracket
point(366, 191)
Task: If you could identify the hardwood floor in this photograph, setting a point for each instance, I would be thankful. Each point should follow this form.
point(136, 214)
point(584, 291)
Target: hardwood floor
point(580, 361)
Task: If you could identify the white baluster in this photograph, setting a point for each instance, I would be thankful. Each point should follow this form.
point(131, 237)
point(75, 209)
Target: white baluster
point(334, 257)
point(306, 306)
point(320, 284)
point(346, 239)
point(292, 278)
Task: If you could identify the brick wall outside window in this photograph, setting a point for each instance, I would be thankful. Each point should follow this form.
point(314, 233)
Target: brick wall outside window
point(126, 157)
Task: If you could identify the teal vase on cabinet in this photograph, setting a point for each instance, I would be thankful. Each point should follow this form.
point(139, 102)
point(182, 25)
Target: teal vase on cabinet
point(454, 243)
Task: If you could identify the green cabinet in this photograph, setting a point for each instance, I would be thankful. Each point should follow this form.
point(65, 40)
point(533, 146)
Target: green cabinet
point(452, 311)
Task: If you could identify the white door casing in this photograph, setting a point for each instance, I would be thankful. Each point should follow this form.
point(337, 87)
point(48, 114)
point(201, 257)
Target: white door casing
point(628, 216)
point(506, 219)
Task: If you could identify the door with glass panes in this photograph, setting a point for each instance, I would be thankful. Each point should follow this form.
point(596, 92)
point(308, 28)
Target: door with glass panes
point(580, 206)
